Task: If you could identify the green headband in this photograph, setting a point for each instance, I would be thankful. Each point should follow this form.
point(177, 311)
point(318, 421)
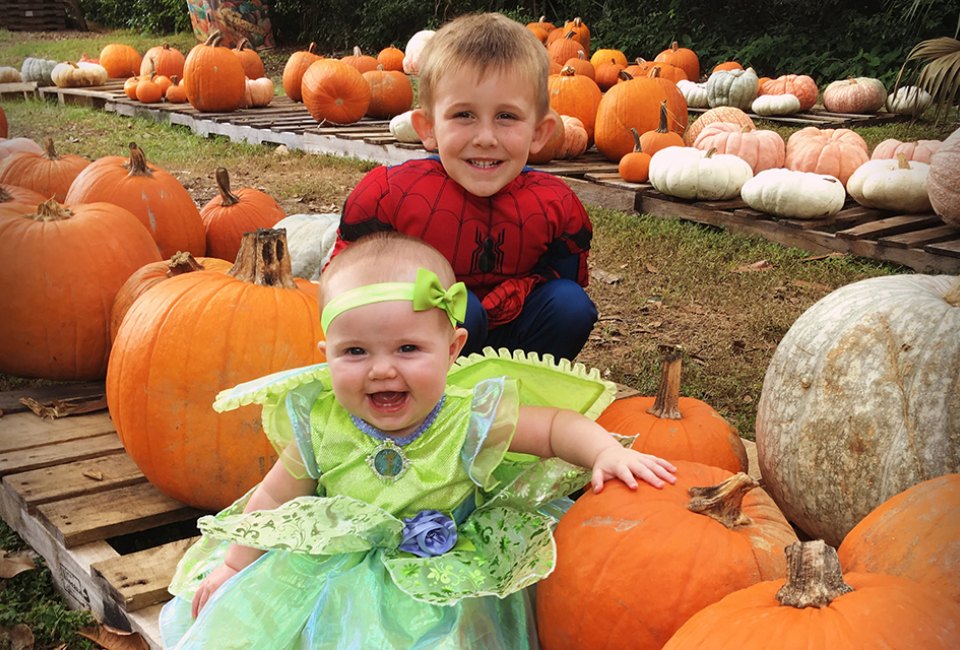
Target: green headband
point(425, 293)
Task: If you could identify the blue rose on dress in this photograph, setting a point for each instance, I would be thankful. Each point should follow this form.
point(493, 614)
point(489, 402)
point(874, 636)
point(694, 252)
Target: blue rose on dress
point(428, 533)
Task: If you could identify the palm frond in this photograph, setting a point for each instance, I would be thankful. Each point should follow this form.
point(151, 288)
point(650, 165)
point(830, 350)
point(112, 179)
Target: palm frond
point(934, 65)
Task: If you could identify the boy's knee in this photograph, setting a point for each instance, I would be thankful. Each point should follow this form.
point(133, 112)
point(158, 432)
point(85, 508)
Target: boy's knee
point(570, 304)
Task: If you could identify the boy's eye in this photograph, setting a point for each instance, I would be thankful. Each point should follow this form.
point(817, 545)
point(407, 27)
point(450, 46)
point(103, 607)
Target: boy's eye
point(460, 115)
point(506, 116)
point(409, 347)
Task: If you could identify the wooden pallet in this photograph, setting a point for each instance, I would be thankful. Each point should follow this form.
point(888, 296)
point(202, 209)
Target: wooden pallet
point(33, 15)
point(824, 119)
point(922, 242)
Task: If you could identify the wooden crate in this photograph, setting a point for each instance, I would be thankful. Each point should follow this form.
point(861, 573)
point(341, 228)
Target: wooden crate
point(33, 16)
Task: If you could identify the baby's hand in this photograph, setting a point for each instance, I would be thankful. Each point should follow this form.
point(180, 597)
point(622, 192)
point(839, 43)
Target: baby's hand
point(209, 585)
point(625, 464)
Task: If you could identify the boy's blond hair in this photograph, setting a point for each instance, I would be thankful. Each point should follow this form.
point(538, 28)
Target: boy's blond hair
point(487, 42)
point(386, 257)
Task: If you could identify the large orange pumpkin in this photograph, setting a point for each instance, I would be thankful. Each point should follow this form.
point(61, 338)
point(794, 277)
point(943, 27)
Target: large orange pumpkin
point(575, 95)
point(252, 64)
point(120, 60)
point(62, 268)
point(915, 534)
point(818, 608)
point(635, 104)
point(213, 77)
point(152, 194)
point(293, 71)
point(150, 274)
point(633, 565)
point(675, 427)
point(391, 93)
point(362, 62)
point(163, 60)
point(48, 173)
point(334, 91)
point(837, 152)
point(227, 216)
point(683, 58)
point(188, 338)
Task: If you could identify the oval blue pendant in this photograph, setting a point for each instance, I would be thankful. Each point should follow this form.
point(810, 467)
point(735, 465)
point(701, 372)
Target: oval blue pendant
point(388, 461)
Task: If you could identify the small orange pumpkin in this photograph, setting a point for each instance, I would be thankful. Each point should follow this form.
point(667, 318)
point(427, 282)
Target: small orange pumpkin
point(581, 65)
point(163, 59)
point(391, 58)
point(682, 57)
point(229, 215)
point(634, 167)
point(661, 137)
point(148, 90)
point(563, 49)
point(176, 93)
point(800, 85)
point(362, 62)
point(727, 65)
point(120, 60)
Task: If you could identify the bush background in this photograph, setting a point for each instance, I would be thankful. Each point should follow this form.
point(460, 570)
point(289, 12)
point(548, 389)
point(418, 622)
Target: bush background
point(827, 39)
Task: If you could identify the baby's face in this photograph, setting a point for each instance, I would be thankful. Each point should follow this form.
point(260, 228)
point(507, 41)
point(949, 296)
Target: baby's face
point(484, 126)
point(389, 364)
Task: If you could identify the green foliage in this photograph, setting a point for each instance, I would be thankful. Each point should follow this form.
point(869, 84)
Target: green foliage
point(151, 16)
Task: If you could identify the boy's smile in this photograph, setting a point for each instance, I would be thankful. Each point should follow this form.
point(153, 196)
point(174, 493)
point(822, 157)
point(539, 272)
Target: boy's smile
point(484, 127)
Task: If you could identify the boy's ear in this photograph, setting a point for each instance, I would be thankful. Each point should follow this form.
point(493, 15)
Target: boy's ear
point(423, 125)
point(543, 131)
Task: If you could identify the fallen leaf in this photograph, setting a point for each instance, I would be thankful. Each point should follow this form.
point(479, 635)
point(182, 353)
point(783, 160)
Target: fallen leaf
point(15, 563)
point(93, 474)
point(760, 265)
point(114, 639)
point(655, 302)
point(651, 268)
point(604, 276)
point(17, 637)
point(746, 399)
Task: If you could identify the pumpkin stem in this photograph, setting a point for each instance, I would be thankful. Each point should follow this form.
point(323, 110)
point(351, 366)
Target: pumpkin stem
point(223, 183)
point(674, 45)
point(138, 162)
point(263, 259)
point(568, 71)
point(953, 296)
point(50, 210)
point(723, 502)
point(814, 577)
point(244, 42)
point(357, 51)
point(48, 151)
point(902, 162)
point(312, 49)
point(636, 141)
point(5, 196)
point(666, 405)
point(664, 118)
point(623, 75)
point(214, 38)
point(183, 262)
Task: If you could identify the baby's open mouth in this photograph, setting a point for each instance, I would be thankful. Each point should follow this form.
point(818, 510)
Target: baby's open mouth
point(388, 400)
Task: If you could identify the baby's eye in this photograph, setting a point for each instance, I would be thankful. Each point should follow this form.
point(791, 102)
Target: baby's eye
point(408, 347)
point(354, 351)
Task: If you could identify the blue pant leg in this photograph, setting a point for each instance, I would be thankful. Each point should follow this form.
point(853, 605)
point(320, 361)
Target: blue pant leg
point(475, 324)
point(557, 319)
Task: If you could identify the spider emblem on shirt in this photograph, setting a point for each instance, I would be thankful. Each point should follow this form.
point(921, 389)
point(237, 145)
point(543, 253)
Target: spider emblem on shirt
point(489, 252)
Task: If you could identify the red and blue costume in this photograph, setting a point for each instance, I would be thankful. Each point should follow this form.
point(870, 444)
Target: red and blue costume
point(522, 252)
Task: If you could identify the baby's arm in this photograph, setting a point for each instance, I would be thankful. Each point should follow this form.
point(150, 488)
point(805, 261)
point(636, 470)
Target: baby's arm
point(277, 487)
point(576, 439)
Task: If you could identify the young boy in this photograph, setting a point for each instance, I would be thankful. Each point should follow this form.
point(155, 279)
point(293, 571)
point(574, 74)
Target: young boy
point(518, 238)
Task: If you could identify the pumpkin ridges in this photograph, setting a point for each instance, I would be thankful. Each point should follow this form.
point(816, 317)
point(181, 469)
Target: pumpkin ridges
point(335, 92)
point(49, 173)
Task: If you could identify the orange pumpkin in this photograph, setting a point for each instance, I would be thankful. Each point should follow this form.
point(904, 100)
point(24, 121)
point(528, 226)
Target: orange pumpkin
point(55, 323)
point(362, 62)
point(391, 93)
point(162, 59)
point(14, 194)
point(152, 194)
point(635, 103)
point(761, 148)
point(229, 215)
point(213, 77)
point(334, 91)
point(662, 137)
point(581, 65)
point(837, 152)
point(608, 74)
point(130, 87)
point(602, 55)
point(575, 139)
point(252, 63)
point(818, 608)
point(801, 85)
point(148, 90)
point(563, 49)
point(176, 93)
point(667, 71)
point(49, 173)
point(294, 69)
point(682, 57)
point(575, 95)
point(712, 541)
point(634, 167)
point(915, 534)
point(718, 114)
point(391, 58)
point(580, 31)
point(675, 427)
point(639, 68)
point(120, 60)
point(188, 338)
point(152, 273)
point(727, 65)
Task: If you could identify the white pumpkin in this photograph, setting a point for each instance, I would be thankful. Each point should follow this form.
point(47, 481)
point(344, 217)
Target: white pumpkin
point(785, 104)
point(860, 400)
point(310, 241)
point(793, 194)
point(695, 93)
point(411, 53)
point(909, 100)
point(733, 88)
point(401, 127)
point(78, 75)
point(891, 184)
point(9, 75)
point(690, 173)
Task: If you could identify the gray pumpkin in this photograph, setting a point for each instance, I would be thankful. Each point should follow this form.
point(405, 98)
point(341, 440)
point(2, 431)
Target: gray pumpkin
point(37, 70)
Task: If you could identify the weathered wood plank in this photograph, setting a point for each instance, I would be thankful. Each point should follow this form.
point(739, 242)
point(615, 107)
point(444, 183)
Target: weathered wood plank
point(24, 430)
point(55, 483)
point(127, 509)
point(141, 579)
point(614, 198)
point(920, 238)
point(24, 460)
point(889, 226)
point(947, 248)
point(10, 399)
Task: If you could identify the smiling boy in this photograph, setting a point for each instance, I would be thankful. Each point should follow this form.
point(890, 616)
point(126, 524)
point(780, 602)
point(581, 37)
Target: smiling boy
point(518, 238)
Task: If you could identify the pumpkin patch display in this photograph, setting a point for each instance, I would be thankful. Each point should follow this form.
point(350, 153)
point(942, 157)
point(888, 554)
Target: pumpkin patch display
point(794, 195)
point(56, 323)
point(48, 173)
point(213, 77)
point(229, 215)
point(863, 388)
point(802, 86)
point(675, 427)
point(858, 95)
point(335, 92)
point(163, 59)
point(188, 338)
point(689, 173)
point(837, 152)
point(711, 532)
point(760, 148)
point(943, 184)
point(152, 194)
point(818, 607)
point(293, 71)
point(891, 184)
point(916, 151)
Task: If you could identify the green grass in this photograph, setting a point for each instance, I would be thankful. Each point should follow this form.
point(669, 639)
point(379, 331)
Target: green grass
point(14, 48)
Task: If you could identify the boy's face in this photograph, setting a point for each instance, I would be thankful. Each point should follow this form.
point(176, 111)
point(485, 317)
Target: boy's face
point(389, 364)
point(484, 127)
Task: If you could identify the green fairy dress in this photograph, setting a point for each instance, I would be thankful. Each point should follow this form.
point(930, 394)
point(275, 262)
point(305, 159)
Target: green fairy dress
point(337, 572)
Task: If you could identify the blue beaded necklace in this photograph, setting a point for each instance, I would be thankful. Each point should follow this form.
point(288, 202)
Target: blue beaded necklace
point(387, 460)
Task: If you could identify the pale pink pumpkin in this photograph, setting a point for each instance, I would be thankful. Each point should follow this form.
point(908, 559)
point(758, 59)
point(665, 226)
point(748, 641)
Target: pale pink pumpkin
point(762, 149)
point(918, 151)
point(837, 152)
point(804, 87)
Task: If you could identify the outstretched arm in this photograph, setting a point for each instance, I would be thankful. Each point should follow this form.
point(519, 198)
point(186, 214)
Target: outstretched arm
point(277, 487)
point(576, 439)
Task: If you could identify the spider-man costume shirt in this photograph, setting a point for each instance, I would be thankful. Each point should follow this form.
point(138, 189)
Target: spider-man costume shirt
point(501, 246)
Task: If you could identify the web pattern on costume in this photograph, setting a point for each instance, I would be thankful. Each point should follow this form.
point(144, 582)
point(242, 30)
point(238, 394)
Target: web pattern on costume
point(500, 246)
